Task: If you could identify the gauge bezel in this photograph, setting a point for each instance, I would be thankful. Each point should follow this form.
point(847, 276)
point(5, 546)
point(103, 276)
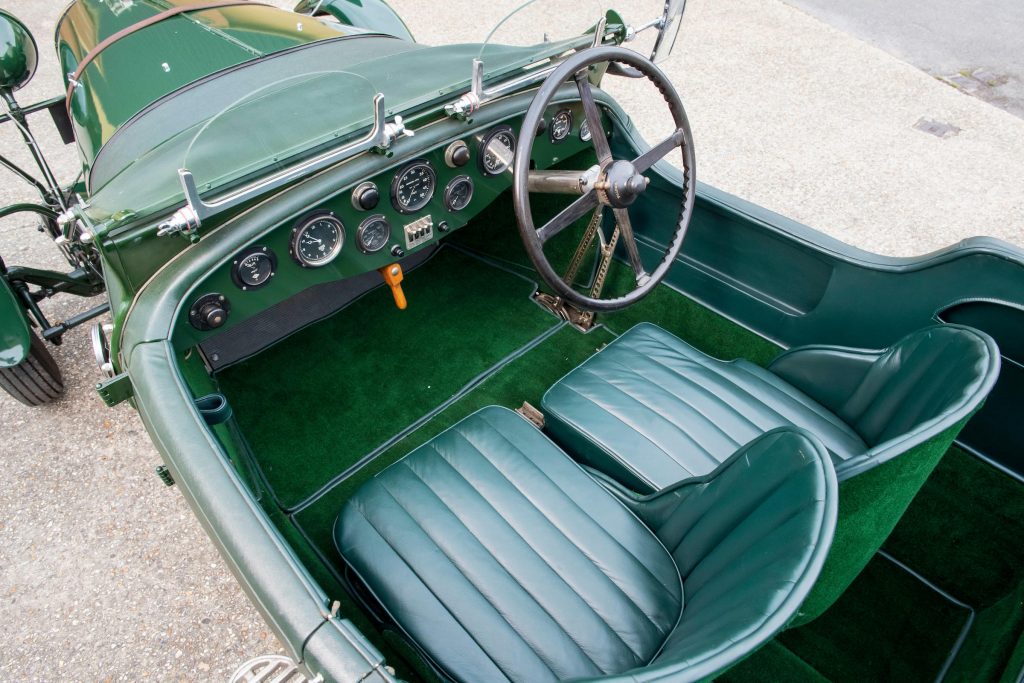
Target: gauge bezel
point(398, 176)
point(362, 229)
point(551, 126)
point(482, 149)
point(300, 228)
point(448, 190)
point(585, 134)
point(236, 264)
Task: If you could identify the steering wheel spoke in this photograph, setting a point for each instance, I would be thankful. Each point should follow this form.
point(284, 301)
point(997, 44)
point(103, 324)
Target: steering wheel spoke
point(568, 216)
point(590, 110)
point(658, 152)
point(629, 240)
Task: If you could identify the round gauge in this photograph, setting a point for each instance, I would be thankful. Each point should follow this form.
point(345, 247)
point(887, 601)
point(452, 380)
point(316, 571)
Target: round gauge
point(458, 193)
point(413, 186)
point(585, 131)
point(253, 268)
point(373, 234)
point(497, 150)
point(317, 240)
point(561, 125)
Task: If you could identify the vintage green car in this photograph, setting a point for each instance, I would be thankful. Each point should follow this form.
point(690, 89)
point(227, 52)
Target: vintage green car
point(467, 381)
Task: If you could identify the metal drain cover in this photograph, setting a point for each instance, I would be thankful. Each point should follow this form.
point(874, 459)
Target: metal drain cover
point(270, 669)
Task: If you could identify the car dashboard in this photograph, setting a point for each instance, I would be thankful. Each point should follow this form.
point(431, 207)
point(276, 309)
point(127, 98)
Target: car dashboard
point(332, 251)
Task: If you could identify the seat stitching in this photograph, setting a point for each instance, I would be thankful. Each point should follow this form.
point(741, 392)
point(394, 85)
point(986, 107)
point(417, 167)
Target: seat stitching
point(535, 552)
point(692, 384)
point(430, 590)
point(825, 416)
point(616, 455)
point(584, 511)
point(581, 508)
point(497, 611)
point(705, 450)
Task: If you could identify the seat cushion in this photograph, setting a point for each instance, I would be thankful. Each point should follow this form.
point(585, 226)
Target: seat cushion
point(650, 410)
point(503, 560)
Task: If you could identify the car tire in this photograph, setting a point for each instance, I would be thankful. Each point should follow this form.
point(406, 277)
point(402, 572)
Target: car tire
point(35, 380)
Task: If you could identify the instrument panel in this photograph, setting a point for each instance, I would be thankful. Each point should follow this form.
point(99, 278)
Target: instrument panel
point(381, 219)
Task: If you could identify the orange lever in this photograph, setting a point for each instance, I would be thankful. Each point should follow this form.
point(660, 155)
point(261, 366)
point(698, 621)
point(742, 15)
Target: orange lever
point(393, 276)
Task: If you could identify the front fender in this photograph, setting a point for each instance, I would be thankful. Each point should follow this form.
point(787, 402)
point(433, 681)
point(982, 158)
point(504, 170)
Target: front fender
point(15, 335)
point(374, 15)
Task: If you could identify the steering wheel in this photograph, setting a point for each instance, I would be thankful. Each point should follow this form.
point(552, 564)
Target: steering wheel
point(612, 183)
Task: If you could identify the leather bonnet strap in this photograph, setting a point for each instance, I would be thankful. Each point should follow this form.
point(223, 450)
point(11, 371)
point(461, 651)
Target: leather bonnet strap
point(138, 26)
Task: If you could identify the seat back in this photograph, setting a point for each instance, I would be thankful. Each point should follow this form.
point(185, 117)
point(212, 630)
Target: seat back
point(923, 377)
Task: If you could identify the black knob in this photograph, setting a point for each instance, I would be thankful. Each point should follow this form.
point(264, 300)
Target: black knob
point(366, 197)
point(397, 251)
point(457, 154)
point(212, 314)
point(443, 226)
point(460, 157)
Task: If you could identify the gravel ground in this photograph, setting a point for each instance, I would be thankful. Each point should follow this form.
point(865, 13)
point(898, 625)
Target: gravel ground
point(105, 573)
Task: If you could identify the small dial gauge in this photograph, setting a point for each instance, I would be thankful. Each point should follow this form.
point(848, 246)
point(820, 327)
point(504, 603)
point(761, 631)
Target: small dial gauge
point(413, 187)
point(585, 131)
point(497, 150)
point(317, 240)
point(561, 125)
point(373, 234)
point(458, 193)
point(253, 268)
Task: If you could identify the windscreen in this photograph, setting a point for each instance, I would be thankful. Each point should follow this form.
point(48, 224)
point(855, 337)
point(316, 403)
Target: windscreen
point(271, 127)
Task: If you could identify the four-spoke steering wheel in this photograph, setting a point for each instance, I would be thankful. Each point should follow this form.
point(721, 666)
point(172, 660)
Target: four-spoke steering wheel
point(612, 183)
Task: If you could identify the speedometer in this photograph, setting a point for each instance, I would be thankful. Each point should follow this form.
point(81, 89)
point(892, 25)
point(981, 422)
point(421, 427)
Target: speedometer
point(497, 150)
point(413, 186)
point(317, 240)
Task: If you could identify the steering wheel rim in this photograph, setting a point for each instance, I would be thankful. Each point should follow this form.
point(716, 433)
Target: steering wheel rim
point(603, 186)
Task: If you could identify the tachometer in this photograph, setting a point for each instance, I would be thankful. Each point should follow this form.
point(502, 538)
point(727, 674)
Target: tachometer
point(317, 240)
point(413, 186)
point(497, 150)
point(253, 268)
point(373, 234)
point(458, 193)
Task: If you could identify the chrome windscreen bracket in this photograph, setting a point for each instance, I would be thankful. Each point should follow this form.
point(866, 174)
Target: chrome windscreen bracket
point(188, 219)
point(469, 102)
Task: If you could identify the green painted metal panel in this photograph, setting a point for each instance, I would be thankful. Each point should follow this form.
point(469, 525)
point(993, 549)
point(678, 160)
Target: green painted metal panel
point(15, 337)
point(374, 15)
point(148, 64)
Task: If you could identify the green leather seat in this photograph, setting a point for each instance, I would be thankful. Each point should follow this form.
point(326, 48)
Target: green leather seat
point(650, 410)
point(500, 559)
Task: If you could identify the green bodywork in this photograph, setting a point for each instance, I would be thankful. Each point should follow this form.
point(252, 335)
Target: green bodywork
point(375, 15)
point(15, 335)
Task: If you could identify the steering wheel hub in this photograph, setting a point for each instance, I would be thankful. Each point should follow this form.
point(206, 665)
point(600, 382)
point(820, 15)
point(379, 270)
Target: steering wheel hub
point(622, 184)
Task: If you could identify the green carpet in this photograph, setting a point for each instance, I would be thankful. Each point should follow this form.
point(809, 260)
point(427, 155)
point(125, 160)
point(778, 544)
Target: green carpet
point(886, 626)
point(315, 405)
point(524, 379)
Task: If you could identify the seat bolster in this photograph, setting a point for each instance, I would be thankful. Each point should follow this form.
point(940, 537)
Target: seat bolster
point(750, 540)
point(804, 367)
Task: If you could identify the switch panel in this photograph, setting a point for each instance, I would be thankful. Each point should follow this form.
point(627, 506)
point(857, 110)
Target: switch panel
point(418, 232)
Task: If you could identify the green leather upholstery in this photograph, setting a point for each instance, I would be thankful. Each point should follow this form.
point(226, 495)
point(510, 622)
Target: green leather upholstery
point(650, 410)
point(501, 559)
